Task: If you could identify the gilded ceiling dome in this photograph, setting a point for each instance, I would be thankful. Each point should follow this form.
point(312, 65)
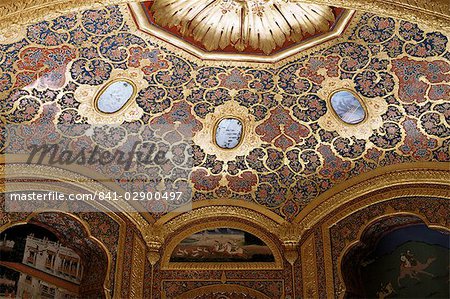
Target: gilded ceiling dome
point(259, 24)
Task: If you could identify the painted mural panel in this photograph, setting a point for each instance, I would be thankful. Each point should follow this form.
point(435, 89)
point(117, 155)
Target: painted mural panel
point(222, 245)
point(411, 262)
point(34, 264)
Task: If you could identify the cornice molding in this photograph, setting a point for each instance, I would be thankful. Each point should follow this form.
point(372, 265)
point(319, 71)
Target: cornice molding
point(435, 14)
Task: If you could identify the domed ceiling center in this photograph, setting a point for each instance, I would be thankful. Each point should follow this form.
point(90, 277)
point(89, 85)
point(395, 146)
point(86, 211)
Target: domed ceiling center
point(245, 26)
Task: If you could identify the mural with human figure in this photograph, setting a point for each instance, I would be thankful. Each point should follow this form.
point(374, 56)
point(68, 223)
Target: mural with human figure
point(222, 245)
point(409, 262)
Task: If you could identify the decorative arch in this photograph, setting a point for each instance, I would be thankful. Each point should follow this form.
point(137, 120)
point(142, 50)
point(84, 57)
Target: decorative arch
point(386, 191)
point(222, 207)
point(191, 227)
point(223, 289)
point(361, 239)
point(80, 179)
point(408, 178)
point(392, 202)
point(47, 177)
point(85, 241)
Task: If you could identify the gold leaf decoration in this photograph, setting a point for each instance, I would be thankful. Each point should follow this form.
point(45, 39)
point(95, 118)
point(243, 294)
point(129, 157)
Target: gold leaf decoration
point(259, 24)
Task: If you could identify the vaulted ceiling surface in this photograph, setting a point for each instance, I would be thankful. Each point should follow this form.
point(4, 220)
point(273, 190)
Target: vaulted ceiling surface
point(294, 146)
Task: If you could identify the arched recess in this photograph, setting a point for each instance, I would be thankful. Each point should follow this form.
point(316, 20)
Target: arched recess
point(223, 291)
point(343, 229)
point(407, 178)
point(337, 215)
point(259, 225)
point(24, 178)
point(74, 233)
point(365, 251)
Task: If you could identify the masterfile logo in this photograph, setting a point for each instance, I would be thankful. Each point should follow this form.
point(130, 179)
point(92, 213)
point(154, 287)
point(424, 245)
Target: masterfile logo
point(144, 168)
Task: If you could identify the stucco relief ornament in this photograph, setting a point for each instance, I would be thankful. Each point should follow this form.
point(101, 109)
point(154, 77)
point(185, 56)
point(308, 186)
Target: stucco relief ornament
point(373, 109)
point(259, 24)
point(12, 34)
point(248, 138)
point(122, 107)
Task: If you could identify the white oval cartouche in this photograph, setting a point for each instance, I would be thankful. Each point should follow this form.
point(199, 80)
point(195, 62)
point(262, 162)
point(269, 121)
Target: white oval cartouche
point(228, 133)
point(115, 96)
point(348, 107)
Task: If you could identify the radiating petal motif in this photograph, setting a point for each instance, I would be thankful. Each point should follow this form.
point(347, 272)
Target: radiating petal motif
point(259, 24)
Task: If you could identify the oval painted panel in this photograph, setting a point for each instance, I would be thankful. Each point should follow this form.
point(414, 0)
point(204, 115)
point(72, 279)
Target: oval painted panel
point(115, 96)
point(348, 107)
point(229, 133)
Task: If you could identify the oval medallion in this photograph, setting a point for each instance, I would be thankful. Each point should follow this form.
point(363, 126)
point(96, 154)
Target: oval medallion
point(114, 96)
point(348, 107)
point(228, 133)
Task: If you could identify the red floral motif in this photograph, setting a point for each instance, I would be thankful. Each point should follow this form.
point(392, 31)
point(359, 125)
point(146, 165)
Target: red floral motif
point(48, 65)
point(282, 129)
point(312, 68)
point(243, 182)
point(181, 113)
point(333, 168)
point(374, 154)
point(416, 143)
point(416, 77)
point(234, 80)
point(137, 55)
point(290, 209)
point(204, 182)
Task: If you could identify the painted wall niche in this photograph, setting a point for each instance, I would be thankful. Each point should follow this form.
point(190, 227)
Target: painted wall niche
point(398, 257)
point(222, 247)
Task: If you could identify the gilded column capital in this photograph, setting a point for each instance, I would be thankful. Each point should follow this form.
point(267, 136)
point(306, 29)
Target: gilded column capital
point(153, 257)
point(153, 237)
point(289, 234)
point(154, 240)
point(291, 255)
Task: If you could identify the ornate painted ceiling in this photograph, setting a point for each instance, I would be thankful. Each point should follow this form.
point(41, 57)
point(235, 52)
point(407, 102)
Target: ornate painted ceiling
point(294, 148)
point(308, 184)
